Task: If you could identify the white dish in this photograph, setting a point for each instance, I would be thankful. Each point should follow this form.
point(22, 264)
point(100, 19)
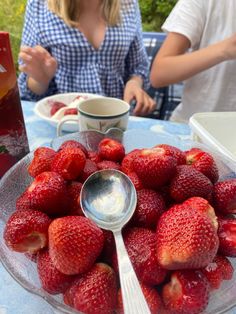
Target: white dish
point(43, 107)
point(217, 130)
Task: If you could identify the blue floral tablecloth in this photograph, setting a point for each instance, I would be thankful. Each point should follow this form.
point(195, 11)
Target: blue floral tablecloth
point(13, 298)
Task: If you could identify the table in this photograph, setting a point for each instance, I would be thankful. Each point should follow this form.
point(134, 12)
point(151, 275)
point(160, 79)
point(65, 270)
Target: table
point(13, 298)
point(41, 133)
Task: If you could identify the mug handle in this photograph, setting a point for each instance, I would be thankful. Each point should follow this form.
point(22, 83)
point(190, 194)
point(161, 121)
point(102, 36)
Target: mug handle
point(67, 118)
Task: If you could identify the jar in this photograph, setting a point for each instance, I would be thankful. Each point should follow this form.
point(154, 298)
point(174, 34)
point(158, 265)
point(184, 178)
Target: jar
point(13, 137)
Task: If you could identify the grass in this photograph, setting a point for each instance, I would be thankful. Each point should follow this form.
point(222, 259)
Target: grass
point(11, 20)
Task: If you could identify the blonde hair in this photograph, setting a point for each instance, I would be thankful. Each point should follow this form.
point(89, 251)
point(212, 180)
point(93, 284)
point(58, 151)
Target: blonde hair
point(69, 11)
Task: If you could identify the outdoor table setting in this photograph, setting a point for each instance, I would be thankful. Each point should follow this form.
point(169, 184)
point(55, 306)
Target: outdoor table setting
point(13, 298)
point(41, 133)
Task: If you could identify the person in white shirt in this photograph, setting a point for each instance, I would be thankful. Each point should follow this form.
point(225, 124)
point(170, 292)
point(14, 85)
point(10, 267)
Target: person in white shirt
point(200, 49)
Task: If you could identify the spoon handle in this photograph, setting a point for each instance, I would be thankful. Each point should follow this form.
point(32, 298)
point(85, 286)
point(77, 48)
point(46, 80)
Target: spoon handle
point(132, 295)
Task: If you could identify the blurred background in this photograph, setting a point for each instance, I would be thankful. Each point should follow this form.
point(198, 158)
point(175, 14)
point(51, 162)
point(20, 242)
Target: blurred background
point(154, 12)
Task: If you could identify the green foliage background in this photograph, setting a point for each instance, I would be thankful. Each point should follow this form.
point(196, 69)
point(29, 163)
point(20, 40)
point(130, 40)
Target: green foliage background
point(154, 12)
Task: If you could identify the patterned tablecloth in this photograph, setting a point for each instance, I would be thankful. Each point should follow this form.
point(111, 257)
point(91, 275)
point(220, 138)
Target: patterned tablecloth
point(13, 298)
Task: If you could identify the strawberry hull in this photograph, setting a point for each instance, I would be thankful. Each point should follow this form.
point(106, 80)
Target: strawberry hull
point(13, 138)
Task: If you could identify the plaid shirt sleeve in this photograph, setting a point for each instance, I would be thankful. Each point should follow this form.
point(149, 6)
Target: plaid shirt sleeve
point(31, 38)
point(137, 62)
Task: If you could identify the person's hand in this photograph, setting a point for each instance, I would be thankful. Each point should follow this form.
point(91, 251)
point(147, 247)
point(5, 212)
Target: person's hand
point(38, 64)
point(144, 103)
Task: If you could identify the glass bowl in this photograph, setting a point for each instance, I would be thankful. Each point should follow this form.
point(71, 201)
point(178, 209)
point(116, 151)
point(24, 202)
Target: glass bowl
point(17, 179)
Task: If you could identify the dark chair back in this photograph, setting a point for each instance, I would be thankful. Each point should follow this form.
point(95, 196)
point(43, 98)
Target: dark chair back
point(167, 98)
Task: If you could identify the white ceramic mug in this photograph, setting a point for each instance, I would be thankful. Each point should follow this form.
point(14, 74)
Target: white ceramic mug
point(99, 114)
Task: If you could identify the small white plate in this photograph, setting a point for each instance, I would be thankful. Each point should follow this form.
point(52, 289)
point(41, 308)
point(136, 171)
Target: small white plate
point(43, 108)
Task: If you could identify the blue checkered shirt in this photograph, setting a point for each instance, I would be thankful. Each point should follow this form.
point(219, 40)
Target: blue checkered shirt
point(82, 68)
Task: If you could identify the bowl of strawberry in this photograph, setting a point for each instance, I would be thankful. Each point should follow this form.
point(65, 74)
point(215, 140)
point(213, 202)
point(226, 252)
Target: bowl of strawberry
point(180, 239)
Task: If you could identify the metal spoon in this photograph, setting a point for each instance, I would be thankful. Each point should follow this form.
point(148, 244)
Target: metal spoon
point(108, 197)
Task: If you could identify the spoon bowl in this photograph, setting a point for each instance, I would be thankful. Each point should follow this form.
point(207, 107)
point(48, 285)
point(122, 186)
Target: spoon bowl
point(108, 197)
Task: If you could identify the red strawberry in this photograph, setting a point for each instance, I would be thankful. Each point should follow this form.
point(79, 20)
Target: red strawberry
point(175, 152)
point(27, 231)
point(127, 162)
point(52, 280)
point(23, 202)
point(73, 190)
point(71, 111)
point(154, 167)
point(108, 164)
point(152, 297)
point(203, 206)
point(224, 196)
point(96, 291)
point(69, 163)
point(109, 149)
point(141, 247)
point(75, 242)
point(187, 292)
point(189, 182)
point(55, 106)
point(227, 269)
point(218, 270)
point(41, 161)
point(227, 236)
point(203, 162)
point(135, 180)
point(89, 168)
point(47, 193)
point(150, 206)
point(69, 294)
point(74, 144)
point(186, 238)
point(94, 156)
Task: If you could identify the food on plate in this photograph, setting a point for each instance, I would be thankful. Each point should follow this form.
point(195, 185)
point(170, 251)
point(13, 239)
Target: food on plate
point(27, 231)
point(203, 162)
point(224, 196)
point(218, 270)
point(94, 292)
point(155, 166)
point(55, 106)
point(186, 238)
point(227, 235)
point(43, 157)
point(70, 108)
point(188, 182)
point(69, 163)
point(178, 239)
point(187, 292)
point(75, 253)
point(53, 281)
point(70, 111)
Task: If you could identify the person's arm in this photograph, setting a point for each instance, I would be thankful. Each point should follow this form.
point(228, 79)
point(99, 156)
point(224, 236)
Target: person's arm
point(39, 66)
point(29, 89)
point(137, 72)
point(174, 63)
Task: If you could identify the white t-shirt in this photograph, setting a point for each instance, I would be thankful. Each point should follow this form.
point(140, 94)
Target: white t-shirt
point(205, 22)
